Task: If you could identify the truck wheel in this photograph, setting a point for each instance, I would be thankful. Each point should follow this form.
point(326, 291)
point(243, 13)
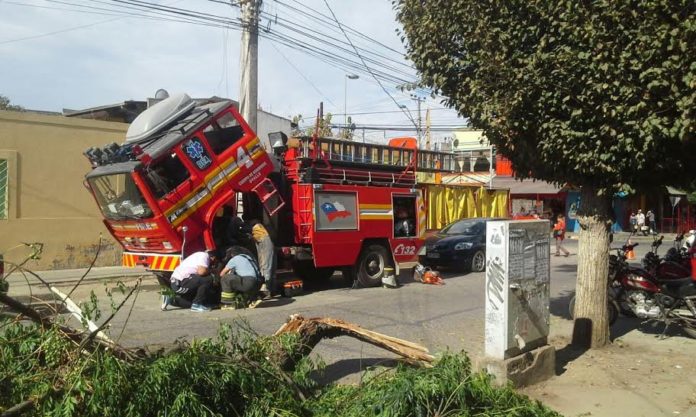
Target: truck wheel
point(306, 270)
point(373, 259)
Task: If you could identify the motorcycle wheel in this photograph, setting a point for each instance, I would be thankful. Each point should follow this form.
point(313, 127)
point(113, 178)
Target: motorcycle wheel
point(613, 311)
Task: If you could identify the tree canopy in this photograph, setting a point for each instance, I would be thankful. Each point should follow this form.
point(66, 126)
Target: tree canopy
point(595, 93)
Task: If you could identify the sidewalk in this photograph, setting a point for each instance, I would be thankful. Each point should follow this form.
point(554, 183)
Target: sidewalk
point(638, 375)
point(622, 237)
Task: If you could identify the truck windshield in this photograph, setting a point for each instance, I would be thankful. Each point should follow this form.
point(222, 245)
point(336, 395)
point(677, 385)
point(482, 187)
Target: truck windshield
point(119, 198)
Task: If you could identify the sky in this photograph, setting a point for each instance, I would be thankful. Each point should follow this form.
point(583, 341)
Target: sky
point(75, 54)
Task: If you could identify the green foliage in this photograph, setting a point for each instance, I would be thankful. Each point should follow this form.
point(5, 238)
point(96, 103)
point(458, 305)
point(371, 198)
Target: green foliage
point(595, 93)
point(295, 124)
point(324, 127)
point(232, 375)
point(5, 104)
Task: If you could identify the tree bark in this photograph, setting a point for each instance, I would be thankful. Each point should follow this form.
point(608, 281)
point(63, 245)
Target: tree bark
point(591, 327)
point(311, 331)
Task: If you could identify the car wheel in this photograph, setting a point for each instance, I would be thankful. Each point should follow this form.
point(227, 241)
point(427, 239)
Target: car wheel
point(478, 262)
point(373, 259)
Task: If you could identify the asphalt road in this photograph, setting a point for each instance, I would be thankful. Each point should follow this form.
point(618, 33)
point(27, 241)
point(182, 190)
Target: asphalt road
point(448, 317)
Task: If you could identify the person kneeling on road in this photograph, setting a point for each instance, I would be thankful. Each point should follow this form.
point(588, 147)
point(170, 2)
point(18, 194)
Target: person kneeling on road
point(240, 276)
point(193, 284)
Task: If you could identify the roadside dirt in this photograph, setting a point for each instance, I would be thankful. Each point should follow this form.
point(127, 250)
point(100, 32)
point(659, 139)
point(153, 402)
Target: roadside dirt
point(640, 374)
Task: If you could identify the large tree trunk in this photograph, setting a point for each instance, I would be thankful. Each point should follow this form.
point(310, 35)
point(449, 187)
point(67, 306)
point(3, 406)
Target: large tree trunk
point(591, 327)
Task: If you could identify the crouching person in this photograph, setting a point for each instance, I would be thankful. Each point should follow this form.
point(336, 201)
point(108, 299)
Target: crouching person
point(193, 284)
point(240, 280)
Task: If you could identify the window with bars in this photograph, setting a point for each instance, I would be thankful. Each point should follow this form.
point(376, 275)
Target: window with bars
point(4, 185)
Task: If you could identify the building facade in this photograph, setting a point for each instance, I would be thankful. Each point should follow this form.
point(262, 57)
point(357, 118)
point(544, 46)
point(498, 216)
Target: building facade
point(42, 169)
point(42, 197)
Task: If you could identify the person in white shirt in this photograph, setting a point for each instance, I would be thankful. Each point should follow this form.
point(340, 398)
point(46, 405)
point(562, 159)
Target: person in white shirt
point(640, 220)
point(192, 283)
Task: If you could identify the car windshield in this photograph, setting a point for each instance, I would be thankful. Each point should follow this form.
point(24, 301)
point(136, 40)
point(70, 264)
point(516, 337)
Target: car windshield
point(466, 227)
point(119, 198)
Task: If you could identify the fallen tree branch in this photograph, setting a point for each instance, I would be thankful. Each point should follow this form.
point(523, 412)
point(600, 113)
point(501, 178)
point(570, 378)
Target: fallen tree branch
point(312, 331)
point(74, 335)
point(77, 312)
point(98, 330)
point(91, 265)
point(25, 311)
point(18, 409)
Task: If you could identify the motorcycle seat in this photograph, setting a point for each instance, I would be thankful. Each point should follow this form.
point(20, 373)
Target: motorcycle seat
point(679, 288)
point(676, 282)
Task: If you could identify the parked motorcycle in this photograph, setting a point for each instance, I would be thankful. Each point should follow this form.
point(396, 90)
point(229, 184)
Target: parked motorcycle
point(638, 292)
point(675, 265)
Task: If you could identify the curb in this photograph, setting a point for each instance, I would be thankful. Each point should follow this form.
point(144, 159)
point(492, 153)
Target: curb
point(61, 276)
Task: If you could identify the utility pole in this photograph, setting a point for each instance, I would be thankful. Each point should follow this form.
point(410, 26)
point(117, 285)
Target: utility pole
point(249, 60)
point(419, 100)
point(427, 128)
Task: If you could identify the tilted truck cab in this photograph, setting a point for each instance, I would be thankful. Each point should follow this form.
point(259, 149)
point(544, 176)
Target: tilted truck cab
point(160, 191)
point(185, 170)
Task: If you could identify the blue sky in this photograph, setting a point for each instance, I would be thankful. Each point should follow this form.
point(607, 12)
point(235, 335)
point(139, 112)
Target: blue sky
point(63, 54)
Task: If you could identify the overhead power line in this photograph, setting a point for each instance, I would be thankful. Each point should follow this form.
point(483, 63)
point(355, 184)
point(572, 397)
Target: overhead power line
point(366, 66)
point(326, 48)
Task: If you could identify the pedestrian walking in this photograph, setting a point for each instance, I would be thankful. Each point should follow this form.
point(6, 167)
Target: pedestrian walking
point(193, 284)
point(651, 222)
point(559, 235)
point(633, 222)
point(266, 253)
point(640, 222)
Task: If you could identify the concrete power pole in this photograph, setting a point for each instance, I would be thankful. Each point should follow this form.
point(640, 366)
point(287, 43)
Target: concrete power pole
point(249, 61)
point(419, 100)
point(427, 129)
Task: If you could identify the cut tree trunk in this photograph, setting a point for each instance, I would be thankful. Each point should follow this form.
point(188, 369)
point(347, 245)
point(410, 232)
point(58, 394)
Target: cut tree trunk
point(591, 327)
point(312, 331)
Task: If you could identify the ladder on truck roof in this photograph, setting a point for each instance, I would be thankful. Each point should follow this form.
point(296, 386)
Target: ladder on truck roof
point(347, 161)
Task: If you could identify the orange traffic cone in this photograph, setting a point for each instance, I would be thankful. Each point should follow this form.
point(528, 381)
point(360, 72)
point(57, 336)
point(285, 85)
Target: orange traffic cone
point(630, 254)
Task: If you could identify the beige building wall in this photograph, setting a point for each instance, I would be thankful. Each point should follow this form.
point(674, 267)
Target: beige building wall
point(47, 200)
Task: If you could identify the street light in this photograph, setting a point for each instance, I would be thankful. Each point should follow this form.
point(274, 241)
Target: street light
point(345, 96)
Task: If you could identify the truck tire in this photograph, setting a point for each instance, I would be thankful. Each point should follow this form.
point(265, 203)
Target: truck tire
point(305, 270)
point(370, 269)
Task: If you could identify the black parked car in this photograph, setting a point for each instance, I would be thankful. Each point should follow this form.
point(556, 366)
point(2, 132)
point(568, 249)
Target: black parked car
point(461, 245)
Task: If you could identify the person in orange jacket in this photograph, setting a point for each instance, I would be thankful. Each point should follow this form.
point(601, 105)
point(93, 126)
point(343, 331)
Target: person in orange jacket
point(559, 235)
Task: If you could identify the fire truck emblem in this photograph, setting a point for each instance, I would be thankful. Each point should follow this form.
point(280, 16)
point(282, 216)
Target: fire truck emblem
point(334, 210)
point(197, 153)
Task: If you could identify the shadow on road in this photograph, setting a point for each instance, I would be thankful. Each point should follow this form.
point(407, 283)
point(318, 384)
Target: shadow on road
point(345, 367)
point(625, 325)
point(566, 268)
point(558, 306)
point(275, 302)
point(566, 355)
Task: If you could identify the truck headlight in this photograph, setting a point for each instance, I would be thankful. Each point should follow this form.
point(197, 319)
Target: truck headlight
point(463, 245)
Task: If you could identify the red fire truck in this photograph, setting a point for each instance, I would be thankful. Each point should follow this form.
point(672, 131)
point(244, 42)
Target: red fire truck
point(186, 169)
